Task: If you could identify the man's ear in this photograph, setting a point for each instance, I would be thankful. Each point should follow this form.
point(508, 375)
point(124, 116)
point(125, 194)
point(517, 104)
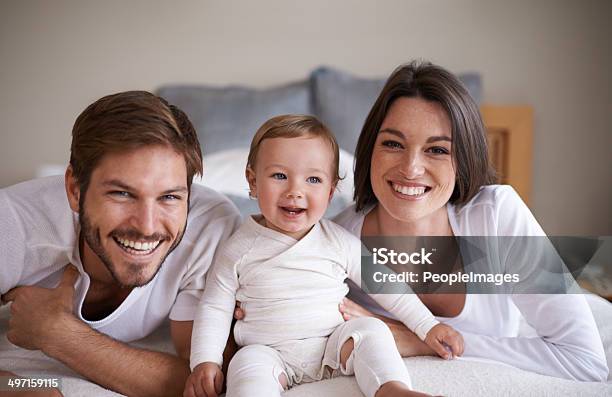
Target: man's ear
point(250, 176)
point(73, 191)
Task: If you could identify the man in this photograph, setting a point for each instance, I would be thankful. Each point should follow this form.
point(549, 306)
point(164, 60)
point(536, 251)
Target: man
point(139, 239)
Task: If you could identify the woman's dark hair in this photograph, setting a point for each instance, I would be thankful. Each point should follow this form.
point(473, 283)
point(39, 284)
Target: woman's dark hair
point(469, 147)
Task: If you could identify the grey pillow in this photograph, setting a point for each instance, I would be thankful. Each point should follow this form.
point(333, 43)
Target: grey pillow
point(227, 117)
point(343, 101)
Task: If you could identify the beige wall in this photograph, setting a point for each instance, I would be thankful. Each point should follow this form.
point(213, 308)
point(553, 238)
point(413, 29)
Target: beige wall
point(58, 56)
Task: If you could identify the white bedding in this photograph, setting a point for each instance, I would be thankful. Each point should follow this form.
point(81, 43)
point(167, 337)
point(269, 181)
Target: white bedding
point(452, 378)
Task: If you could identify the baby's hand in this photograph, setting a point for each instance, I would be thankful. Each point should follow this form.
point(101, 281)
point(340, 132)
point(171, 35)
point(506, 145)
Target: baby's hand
point(206, 380)
point(445, 341)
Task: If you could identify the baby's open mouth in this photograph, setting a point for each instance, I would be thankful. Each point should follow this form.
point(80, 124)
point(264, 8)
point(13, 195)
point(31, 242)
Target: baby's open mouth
point(293, 210)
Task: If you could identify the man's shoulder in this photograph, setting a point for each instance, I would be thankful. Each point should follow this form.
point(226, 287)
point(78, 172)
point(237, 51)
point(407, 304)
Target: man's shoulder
point(206, 202)
point(40, 202)
point(212, 218)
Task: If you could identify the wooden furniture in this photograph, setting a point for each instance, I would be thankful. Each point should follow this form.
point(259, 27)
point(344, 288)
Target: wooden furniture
point(510, 136)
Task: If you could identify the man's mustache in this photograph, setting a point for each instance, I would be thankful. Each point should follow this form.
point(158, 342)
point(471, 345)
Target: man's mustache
point(132, 234)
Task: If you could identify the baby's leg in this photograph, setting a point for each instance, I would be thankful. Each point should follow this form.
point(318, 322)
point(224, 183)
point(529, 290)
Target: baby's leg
point(365, 346)
point(256, 370)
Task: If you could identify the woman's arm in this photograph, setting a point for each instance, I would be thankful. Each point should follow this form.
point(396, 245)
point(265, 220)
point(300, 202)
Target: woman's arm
point(568, 344)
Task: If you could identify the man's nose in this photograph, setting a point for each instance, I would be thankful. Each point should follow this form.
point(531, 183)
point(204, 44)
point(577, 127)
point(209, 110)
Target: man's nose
point(145, 217)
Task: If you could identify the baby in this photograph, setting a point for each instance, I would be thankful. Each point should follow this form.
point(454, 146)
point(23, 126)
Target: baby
point(288, 266)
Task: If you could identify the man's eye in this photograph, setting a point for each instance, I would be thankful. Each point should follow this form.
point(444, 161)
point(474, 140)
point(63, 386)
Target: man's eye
point(279, 175)
point(120, 194)
point(392, 144)
point(313, 179)
point(438, 150)
point(171, 197)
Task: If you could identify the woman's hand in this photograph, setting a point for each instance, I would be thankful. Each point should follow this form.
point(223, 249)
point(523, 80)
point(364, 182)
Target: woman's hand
point(350, 309)
point(238, 312)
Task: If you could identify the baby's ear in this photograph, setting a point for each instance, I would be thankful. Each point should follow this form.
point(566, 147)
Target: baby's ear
point(332, 191)
point(250, 177)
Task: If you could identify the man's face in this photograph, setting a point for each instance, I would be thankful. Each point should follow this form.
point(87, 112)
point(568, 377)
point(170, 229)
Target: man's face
point(133, 214)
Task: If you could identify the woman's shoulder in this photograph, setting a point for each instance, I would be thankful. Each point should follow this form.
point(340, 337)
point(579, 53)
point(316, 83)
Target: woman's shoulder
point(493, 195)
point(494, 210)
point(351, 219)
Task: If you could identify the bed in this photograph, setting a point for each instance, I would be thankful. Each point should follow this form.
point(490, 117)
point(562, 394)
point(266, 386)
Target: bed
point(227, 117)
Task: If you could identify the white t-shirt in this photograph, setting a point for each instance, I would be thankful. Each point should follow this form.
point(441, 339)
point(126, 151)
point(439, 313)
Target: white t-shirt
point(289, 289)
point(567, 343)
point(40, 236)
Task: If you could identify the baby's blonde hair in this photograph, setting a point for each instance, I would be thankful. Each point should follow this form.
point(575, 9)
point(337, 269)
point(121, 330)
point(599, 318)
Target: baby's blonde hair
point(294, 126)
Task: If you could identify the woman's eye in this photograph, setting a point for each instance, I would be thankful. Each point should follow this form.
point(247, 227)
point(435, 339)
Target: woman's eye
point(313, 179)
point(279, 175)
point(438, 150)
point(392, 144)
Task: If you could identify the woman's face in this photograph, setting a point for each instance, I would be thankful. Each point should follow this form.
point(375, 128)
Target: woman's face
point(412, 171)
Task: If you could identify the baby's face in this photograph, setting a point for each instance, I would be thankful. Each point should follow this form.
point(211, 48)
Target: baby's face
point(293, 182)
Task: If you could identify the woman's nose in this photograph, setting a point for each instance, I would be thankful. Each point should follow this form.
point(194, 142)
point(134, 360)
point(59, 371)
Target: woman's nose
point(412, 165)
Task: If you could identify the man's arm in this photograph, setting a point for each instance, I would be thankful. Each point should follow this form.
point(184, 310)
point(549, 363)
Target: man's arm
point(115, 365)
point(42, 319)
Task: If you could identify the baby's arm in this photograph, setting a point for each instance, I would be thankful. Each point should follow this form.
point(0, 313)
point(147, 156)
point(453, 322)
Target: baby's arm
point(211, 328)
point(408, 308)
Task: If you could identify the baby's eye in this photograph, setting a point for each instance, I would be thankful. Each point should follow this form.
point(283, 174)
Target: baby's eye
point(392, 144)
point(313, 179)
point(279, 175)
point(438, 150)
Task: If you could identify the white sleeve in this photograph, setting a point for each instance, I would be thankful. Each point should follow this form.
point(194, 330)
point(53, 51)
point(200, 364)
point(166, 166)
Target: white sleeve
point(214, 313)
point(12, 246)
point(407, 308)
point(568, 343)
point(218, 226)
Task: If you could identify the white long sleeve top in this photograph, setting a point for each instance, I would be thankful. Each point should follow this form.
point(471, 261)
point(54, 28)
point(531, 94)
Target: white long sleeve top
point(289, 289)
point(567, 343)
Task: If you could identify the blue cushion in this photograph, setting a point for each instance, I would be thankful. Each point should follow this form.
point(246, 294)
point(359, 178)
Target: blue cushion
point(343, 101)
point(227, 117)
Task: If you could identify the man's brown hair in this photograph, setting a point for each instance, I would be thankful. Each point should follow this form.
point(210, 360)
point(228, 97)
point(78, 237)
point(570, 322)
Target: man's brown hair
point(469, 147)
point(127, 121)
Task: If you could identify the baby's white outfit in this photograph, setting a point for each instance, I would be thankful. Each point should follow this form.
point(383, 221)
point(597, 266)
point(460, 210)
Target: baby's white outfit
point(290, 291)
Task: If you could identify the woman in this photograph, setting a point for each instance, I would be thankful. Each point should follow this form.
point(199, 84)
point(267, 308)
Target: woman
point(422, 170)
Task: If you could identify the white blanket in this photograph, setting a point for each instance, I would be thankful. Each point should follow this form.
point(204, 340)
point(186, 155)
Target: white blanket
point(432, 375)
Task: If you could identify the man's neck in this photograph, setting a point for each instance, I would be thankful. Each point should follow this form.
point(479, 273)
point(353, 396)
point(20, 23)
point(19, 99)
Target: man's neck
point(104, 294)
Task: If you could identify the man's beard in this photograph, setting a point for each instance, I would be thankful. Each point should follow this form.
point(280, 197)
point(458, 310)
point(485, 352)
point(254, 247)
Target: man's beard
point(92, 237)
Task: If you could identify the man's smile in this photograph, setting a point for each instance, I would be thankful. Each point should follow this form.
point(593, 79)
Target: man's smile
point(135, 247)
